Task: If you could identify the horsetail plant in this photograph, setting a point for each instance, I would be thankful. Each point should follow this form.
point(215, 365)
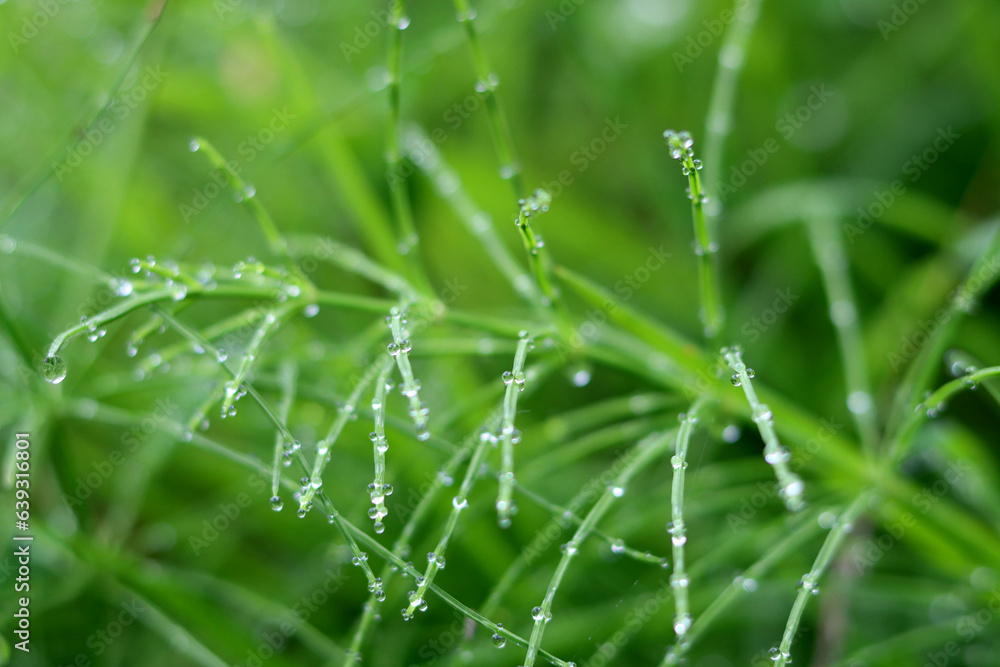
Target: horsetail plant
point(790, 486)
point(417, 599)
point(509, 436)
point(808, 585)
point(399, 349)
point(677, 529)
point(447, 183)
point(705, 247)
point(394, 161)
point(487, 83)
point(378, 490)
point(345, 413)
point(646, 451)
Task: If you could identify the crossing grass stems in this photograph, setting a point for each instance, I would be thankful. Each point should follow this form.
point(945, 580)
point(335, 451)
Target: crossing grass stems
point(164, 288)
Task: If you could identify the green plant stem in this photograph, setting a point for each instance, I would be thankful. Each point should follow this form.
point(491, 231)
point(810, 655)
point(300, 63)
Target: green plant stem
point(931, 407)
point(245, 193)
point(435, 559)
point(346, 412)
point(410, 388)
point(790, 486)
point(645, 452)
point(828, 250)
point(980, 279)
point(705, 247)
point(287, 377)
point(778, 551)
point(448, 185)
point(718, 121)
point(510, 167)
point(509, 436)
point(352, 260)
point(397, 179)
point(448, 599)
point(233, 388)
point(679, 580)
point(401, 546)
point(378, 489)
point(809, 584)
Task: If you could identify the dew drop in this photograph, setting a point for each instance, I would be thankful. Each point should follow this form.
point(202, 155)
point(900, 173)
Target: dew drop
point(54, 369)
point(735, 379)
point(859, 402)
point(276, 503)
point(581, 378)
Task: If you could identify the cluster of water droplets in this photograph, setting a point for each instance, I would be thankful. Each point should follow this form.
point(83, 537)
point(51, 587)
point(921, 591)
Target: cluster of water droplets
point(399, 349)
point(499, 640)
point(232, 392)
point(416, 600)
point(536, 204)
point(541, 615)
point(778, 655)
point(681, 146)
point(378, 493)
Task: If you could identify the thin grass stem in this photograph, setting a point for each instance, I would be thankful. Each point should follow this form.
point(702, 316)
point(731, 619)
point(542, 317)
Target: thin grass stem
point(790, 486)
point(510, 167)
point(718, 121)
point(828, 250)
point(509, 436)
point(705, 247)
point(399, 349)
point(378, 489)
point(644, 453)
point(448, 185)
point(679, 580)
point(809, 584)
point(436, 559)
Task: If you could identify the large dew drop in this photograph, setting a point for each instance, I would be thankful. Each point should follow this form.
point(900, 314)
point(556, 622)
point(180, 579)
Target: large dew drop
point(54, 369)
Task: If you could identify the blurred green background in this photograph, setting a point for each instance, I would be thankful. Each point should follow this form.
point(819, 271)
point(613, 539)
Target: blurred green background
point(877, 119)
